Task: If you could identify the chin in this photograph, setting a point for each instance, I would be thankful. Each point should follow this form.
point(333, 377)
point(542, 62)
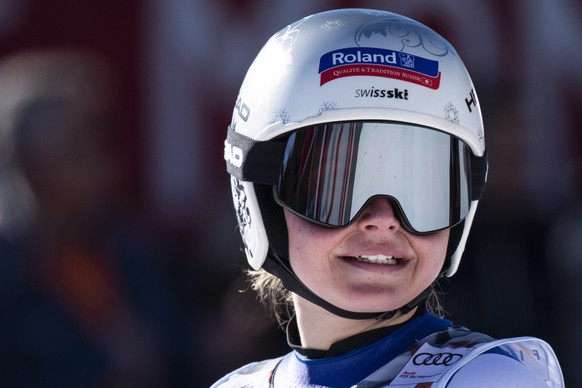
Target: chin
point(375, 305)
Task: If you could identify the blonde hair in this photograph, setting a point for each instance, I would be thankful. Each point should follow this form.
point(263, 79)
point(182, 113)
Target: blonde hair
point(272, 294)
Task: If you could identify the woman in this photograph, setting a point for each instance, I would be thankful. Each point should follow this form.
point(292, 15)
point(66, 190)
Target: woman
point(357, 160)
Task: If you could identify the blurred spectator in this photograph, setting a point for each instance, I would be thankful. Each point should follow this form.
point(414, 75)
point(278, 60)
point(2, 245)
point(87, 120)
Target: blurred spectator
point(84, 301)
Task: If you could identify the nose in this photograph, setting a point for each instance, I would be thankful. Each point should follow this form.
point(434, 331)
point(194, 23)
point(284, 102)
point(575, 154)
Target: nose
point(379, 216)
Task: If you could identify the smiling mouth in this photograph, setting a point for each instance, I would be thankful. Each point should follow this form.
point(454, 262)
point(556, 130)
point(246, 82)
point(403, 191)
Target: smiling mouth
point(377, 259)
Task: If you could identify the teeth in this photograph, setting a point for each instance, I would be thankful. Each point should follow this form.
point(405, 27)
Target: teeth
point(379, 259)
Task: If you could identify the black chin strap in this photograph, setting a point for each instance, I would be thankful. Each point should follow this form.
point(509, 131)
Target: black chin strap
point(277, 267)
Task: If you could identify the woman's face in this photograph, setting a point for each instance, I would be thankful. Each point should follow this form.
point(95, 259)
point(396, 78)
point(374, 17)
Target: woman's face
point(371, 265)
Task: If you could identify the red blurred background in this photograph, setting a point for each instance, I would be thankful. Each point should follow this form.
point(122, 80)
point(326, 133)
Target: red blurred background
point(179, 64)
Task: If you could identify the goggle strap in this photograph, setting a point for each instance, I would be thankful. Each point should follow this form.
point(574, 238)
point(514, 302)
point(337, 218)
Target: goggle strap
point(253, 161)
point(260, 161)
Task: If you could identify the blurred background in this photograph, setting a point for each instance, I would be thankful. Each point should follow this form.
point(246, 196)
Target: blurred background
point(120, 261)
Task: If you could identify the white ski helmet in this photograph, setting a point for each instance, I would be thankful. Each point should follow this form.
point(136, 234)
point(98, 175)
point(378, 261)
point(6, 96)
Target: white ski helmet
point(346, 66)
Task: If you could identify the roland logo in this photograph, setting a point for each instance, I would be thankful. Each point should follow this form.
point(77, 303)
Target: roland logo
point(386, 57)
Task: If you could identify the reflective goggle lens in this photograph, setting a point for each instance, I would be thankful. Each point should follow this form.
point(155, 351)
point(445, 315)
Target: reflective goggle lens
point(331, 171)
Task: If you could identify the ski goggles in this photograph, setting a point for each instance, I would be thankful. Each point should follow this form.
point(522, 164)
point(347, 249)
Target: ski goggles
point(328, 173)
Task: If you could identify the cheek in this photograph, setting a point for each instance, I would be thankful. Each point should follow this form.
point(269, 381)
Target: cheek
point(431, 250)
point(300, 239)
point(299, 257)
point(309, 246)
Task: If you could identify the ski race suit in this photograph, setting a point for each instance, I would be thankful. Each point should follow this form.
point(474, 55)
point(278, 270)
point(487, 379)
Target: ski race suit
point(425, 352)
